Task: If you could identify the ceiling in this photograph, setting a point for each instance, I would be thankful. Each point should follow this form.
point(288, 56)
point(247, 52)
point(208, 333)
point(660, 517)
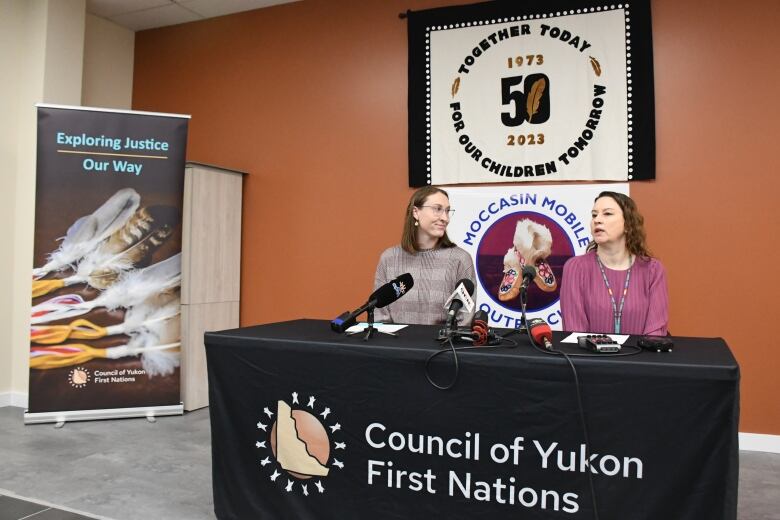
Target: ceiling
point(138, 15)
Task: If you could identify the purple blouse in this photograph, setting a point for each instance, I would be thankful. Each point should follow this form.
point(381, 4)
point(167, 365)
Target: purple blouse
point(586, 306)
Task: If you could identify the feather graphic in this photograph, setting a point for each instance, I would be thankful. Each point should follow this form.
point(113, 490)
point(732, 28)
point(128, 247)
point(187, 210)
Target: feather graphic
point(54, 334)
point(42, 287)
point(535, 97)
point(143, 221)
point(90, 230)
point(131, 289)
point(145, 315)
point(43, 358)
point(596, 65)
point(137, 286)
point(125, 248)
point(157, 361)
point(100, 270)
point(455, 86)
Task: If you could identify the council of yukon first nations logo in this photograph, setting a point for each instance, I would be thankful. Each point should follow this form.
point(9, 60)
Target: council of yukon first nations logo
point(299, 443)
point(78, 377)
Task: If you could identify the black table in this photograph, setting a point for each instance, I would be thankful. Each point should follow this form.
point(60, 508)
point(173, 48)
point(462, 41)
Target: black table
point(505, 442)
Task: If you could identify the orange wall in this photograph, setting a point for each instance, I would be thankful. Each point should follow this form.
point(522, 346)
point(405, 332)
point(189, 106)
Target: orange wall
point(310, 98)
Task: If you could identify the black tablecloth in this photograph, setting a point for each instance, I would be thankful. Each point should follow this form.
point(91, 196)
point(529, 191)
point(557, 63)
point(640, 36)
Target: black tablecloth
point(662, 427)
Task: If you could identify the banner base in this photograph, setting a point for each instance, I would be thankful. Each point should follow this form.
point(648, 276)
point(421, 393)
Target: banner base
point(150, 412)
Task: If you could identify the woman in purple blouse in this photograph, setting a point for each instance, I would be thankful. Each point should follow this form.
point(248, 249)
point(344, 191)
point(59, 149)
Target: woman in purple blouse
point(616, 286)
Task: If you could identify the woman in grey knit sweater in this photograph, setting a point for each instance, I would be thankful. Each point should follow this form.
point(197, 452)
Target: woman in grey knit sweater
point(433, 260)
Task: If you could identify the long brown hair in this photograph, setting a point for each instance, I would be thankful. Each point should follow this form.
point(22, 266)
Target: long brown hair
point(409, 234)
point(634, 224)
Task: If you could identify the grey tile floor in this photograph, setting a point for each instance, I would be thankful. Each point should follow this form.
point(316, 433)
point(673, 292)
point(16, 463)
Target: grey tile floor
point(120, 469)
point(14, 508)
point(131, 469)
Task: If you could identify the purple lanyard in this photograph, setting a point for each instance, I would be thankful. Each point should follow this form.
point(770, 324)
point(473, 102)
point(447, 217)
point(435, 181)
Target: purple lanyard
point(617, 314)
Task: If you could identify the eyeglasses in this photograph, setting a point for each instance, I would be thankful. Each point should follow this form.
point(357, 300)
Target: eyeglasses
point(439, 210)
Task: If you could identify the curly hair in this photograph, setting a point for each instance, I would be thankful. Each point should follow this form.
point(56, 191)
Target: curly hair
point(409, 234)
point(634, 225)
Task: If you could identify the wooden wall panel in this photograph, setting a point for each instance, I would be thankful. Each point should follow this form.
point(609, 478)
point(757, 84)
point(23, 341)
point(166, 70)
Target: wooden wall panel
point(197, 319)
point(211, 236)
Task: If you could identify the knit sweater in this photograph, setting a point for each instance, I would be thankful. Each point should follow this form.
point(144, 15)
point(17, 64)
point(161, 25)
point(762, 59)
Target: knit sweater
point(435, 273)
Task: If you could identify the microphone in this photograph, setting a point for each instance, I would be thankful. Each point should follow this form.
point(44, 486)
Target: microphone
point(382, 297)
point(479, 328)
point(540, 333)
point(461, 296)
point(529, 273)
point(390, 292)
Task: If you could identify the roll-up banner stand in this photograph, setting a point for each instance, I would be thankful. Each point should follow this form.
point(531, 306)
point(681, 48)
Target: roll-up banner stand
point(105, 323)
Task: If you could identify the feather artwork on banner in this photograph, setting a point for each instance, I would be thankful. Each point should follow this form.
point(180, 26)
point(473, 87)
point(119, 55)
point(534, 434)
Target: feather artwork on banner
point(137, 318)
point(147, 316)
point(84, 235)
point(55, 334)
point(128, 246)
point(132, 288)
point(158, 344)
point(147, 340)
point(596, 65)
point(535, 97)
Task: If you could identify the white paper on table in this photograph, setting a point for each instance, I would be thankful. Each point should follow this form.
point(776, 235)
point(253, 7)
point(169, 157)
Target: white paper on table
point(381, 327)
point(572, 338)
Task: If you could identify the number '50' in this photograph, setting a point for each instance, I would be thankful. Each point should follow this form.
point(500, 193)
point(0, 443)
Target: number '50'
point(531, 104)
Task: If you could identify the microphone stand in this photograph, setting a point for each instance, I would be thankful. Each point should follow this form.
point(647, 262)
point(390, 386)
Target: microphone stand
point(523, 303)
point(446, 333)
point(523, 319)
point(528, 274)
point(370, 329)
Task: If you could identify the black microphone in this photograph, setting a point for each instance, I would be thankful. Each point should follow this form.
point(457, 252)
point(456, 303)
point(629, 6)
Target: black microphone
point(390, 292)
point(529, 273)
point(383, 296)
point(457, 300)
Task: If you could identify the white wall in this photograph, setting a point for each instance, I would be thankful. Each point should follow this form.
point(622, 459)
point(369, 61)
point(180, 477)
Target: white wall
point(41, 49)
point(109, 51)
point(11, 36)
point(48, 48)
point(64, 51)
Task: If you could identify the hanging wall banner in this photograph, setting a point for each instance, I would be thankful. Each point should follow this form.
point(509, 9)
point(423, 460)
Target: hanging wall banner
point(506, 228)
point(531, 91)
point(104, 336)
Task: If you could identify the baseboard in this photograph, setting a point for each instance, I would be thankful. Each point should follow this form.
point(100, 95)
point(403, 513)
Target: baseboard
point(17, 399)
point(759, 442)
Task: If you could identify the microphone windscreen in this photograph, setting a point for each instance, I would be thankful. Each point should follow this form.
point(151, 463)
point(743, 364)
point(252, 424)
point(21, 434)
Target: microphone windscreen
point(479, 328)
point(392, 290)
point(539, 329)
point(467, 284)
point(530, 271)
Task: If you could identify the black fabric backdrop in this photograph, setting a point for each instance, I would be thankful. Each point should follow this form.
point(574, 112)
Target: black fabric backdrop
point(677, 412)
